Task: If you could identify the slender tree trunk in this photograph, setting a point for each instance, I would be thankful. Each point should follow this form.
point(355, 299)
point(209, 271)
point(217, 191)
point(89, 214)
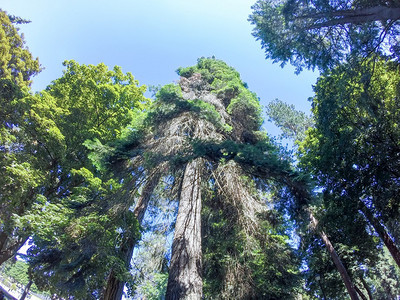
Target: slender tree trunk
point(185, 280)
point(360, 293)
point(336, 259)
point(115, 287)
point(365, 285)
point(26, 290)
point(387, 240)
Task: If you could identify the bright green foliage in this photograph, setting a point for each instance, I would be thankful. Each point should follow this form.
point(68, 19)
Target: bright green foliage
point(321, 33)
point(17, 65)
point(18, 271)
point(293, 123)
point(225, 82)
point(61, 195)
point(75, 248)
point(19, 175)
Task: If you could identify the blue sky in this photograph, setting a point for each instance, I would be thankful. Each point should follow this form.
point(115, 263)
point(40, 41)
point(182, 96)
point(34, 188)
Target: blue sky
point(152, 38)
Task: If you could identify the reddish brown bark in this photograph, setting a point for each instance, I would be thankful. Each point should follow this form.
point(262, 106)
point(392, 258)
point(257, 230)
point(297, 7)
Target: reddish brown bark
point(185, 280)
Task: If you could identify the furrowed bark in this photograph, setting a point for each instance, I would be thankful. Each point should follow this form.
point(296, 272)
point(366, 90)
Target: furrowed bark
point(335, 257)
point(385, 237)
point(185, 279)
point(115, 287)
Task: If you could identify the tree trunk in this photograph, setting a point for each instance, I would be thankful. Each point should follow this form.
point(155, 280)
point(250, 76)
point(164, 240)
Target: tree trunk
point(387, 240)
point(336, 259)
point(356, 16)
point(360, 293)
point(115, 287)
point(26, 290)
point(7, 249)
point(185, 280)
point(367, 288)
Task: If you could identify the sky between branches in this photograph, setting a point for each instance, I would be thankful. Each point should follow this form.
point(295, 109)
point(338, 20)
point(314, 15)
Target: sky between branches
point(152, 39)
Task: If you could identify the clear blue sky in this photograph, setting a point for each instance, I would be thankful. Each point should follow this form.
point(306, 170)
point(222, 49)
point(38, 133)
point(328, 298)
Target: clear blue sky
point(152, 39)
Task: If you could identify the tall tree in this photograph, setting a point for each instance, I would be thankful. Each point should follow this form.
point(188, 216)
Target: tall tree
point(19, 176)
point(358, 108)
point(211, 105)
point(86, 103)
point(322, 34)
point(345, 222)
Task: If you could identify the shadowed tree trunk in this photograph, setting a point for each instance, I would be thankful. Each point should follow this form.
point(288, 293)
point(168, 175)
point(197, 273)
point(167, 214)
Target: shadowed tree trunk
point(365, 285)
point(9, 247)
point(385, 237)
point(115, 287)
point(185, 279)
point(335, 258)
point(26, 290)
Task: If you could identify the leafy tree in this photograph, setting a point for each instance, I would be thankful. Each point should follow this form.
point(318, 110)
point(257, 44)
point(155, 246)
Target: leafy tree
point(352, 148)
point(293, 123)
point(323, 33)
point(19, 176)
point(67, 209)
point(352, 152)
point(18, 270)
point(211, 105)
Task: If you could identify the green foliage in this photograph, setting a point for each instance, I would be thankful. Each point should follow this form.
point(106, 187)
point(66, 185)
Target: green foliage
point(65, 199)
point(18, 271)
point(225, 82)
point(19, 173)
point(293, 123)
point(322, 33)
point(352, 152)
point(17, 65)
point(356, 134)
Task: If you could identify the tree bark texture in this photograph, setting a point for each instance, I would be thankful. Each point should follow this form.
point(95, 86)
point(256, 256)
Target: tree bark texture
point(385, 237)
point(115, 287)
point(336, 259)
point(185, 279)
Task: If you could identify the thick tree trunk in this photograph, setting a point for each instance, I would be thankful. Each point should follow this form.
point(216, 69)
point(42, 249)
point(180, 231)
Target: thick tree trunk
point(115, 287)
point(9, 248)
point(185, 280)
point(336, 259)
point(26, 290)
point(387, 240)
point(356, 16)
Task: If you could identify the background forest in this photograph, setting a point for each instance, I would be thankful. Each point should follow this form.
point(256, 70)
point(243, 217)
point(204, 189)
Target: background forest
point(178, 191)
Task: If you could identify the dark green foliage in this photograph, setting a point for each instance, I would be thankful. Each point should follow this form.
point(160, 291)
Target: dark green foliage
point(323, 34)
point(357, 115)
point(352, 151)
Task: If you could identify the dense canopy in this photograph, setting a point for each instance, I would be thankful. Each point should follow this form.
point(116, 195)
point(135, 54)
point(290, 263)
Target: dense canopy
point(185, 195)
